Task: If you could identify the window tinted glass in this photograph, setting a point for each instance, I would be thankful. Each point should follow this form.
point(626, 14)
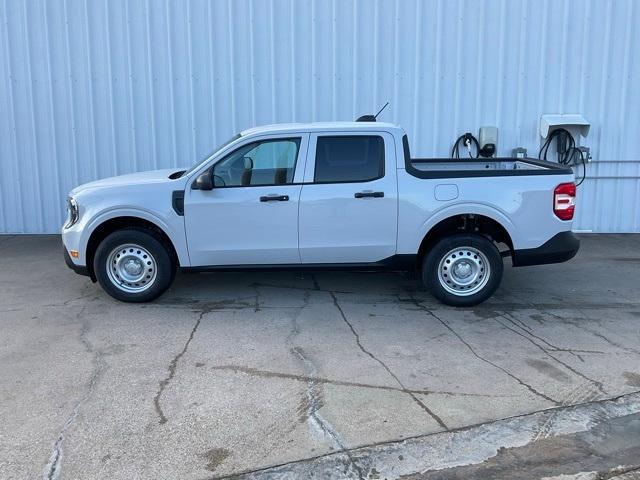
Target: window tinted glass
point(349, 159)
point(270, 162)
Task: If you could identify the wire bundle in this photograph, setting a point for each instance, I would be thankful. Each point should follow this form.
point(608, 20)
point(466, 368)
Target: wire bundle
point(568, 153)
point(468, 139)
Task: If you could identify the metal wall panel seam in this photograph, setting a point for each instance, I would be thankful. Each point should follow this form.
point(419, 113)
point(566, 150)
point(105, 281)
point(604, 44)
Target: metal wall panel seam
point(33, 170)
point(12, 133)
point(417, 70)
point(234, 120)
point(292, 23)
point(52, 112)
point(272, 53)
point(171, 103)
point(151, 89)
point(190, 78)
point(480, 73)
point(434, 115)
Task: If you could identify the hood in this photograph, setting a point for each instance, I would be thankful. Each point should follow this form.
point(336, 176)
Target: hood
point(141, 178)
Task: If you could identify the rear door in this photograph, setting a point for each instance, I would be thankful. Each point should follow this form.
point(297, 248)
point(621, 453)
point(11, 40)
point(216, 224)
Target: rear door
point(348, 203)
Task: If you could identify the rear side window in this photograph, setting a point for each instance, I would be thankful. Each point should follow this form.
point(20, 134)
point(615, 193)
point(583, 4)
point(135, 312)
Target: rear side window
point(349, 159)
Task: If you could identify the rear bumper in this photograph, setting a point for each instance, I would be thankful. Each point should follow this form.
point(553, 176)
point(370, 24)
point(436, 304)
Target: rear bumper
point(80, 269)
point(560, 248)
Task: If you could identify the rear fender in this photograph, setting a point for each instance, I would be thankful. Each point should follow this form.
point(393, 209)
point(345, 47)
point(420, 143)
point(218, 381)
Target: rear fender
point(467, 209)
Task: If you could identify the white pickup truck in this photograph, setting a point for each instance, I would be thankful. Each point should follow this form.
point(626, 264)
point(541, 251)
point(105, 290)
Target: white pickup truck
point(323, 196)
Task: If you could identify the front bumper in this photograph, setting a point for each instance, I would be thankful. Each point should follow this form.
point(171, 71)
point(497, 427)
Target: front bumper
point(560, 248)
point(80, 269)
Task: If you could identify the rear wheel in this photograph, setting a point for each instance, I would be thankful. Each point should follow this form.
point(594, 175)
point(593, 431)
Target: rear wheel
point(462, 270)
point(133, 265)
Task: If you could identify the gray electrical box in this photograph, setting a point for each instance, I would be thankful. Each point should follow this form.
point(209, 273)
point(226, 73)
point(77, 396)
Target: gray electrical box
point(488, 140)
point(574, 123)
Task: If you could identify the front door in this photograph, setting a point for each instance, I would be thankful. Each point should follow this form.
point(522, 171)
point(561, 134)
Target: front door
point(349, 201)
point(251, 215)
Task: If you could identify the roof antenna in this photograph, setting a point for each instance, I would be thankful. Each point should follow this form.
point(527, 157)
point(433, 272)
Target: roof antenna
point(380, 111)
point(371, 118)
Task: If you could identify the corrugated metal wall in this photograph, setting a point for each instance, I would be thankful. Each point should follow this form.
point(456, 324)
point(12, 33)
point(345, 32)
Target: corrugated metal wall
point(95, 88)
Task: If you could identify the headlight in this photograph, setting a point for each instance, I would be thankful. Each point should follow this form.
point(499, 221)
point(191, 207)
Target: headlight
point(74, 212)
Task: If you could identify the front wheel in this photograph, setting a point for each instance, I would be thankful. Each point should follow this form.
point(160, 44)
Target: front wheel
point(133, 265)
point(462, 270)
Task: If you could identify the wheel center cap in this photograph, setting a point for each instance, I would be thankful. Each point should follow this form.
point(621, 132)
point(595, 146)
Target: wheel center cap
point(132, 267)
point(463, 269)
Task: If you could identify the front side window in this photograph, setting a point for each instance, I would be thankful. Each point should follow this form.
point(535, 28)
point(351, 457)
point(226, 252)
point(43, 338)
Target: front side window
point(349, 159)
point(267, 162)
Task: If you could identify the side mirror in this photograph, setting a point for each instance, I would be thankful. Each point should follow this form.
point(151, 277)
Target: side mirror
point(204, 181)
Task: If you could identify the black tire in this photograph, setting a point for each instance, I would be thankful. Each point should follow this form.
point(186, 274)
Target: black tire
point(474, 252)
point(161, 266)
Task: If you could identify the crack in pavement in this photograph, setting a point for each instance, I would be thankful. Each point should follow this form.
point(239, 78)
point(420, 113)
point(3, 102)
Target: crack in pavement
point(344, 383)
point(256, 303)
point(315, 288)
point(596, 383)
point(595, 333)
point(419, 305)
point(172, 369)
point(519, 323)
point(309, 410)
point(313, 405)
point(52, 470)
point(316, 285)
point(414, 397)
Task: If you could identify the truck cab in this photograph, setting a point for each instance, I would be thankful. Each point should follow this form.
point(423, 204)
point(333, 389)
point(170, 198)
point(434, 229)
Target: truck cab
point(322, 195)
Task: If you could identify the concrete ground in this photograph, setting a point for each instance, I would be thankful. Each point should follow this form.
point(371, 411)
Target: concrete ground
point(271, 375)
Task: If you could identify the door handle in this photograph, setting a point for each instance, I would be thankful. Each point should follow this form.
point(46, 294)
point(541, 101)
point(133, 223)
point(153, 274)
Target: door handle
point(274, 198)
point(368, 194)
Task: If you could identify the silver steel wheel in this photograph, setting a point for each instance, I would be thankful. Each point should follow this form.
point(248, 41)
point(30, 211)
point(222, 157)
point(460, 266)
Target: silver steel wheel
point(131, 268)
point(464, 271)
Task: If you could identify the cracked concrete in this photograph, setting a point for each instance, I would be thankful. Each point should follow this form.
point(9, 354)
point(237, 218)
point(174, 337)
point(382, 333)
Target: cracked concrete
point(385, 366)
point(171, 369)
point(240, 372)
point(52, 470)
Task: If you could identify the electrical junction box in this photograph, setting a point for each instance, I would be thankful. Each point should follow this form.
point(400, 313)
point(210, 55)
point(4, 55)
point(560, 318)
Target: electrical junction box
point(488, 140)
point(574, 123)
point(519, 152)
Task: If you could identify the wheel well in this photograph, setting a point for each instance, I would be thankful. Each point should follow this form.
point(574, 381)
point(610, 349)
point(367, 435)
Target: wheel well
point(118, 223)
point(467, 223)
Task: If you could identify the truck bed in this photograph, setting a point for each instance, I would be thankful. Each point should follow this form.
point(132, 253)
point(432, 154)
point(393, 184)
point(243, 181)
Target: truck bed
point(481, 167)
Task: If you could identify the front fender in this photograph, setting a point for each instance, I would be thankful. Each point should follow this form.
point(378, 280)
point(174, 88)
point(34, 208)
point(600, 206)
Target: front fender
point(173, 228)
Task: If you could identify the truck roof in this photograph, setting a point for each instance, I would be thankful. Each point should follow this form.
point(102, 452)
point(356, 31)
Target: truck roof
point(319, 126)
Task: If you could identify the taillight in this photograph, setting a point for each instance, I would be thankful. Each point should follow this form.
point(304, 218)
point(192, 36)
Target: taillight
point(564, 201)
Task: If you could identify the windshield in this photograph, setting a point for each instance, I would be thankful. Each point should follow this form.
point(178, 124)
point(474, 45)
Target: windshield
point(217, 149)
